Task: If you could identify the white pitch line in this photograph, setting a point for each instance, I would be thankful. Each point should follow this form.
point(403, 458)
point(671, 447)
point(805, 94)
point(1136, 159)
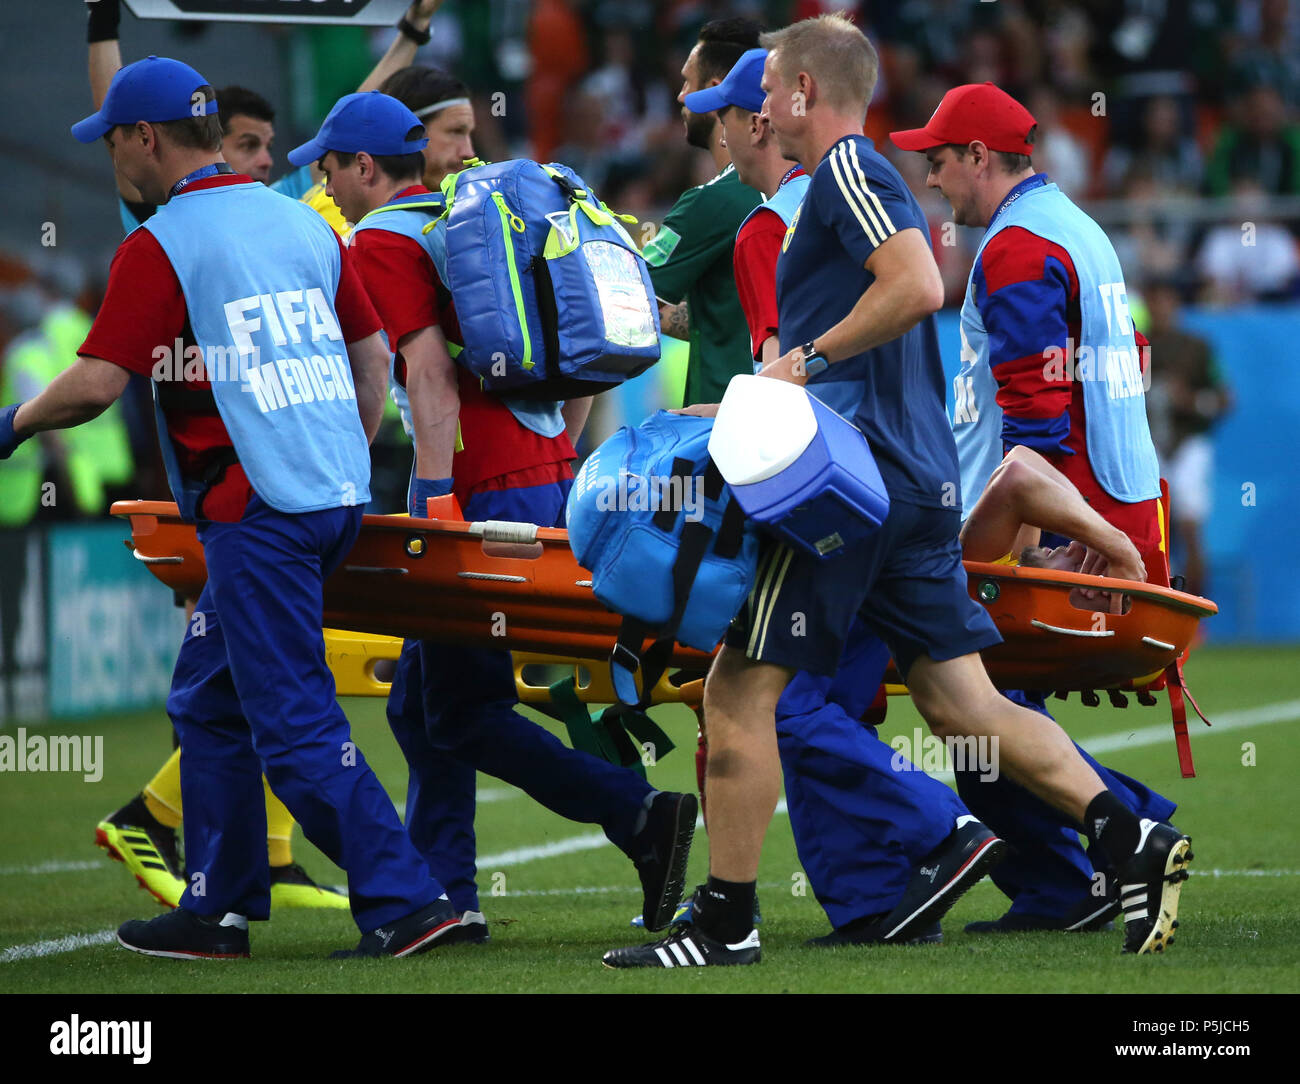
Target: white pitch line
point(51, 867)
point(1265, 714)
point(1284, 711)
point(52, 948)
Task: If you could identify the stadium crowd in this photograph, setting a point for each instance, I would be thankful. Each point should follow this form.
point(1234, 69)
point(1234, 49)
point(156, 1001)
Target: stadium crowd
point(1174, 124)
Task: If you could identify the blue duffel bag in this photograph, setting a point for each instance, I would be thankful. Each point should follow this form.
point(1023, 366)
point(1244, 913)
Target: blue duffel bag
point(667, 545)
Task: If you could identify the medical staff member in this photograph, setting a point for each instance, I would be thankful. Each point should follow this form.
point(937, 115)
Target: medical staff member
point(690, 256)
point(452, 709)
point(857, 288)
point(1050, 363)
point(258, 286)
point(888, 849)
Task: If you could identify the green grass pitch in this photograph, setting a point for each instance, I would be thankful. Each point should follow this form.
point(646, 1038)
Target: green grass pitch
point(552, 917)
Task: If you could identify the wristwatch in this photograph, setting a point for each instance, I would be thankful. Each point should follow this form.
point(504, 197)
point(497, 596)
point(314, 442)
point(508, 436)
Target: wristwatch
point(814, 361)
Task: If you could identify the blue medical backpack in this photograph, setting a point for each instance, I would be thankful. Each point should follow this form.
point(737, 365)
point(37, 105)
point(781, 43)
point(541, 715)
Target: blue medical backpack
point(667, 545)
point(553, 297)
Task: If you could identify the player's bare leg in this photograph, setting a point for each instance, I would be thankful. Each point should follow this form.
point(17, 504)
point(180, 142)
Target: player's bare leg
point(743, 783)
point(743, 779)
point(957, 699)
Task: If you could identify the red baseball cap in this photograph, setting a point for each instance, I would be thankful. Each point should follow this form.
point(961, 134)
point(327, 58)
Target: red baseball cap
point(974, 111)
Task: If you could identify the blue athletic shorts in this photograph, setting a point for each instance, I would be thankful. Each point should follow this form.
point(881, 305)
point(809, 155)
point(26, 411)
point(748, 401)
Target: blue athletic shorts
point(906, 582)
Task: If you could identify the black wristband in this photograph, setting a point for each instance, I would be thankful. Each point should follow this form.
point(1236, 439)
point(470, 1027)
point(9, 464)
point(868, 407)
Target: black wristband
point(420, 37)
point(102, 20)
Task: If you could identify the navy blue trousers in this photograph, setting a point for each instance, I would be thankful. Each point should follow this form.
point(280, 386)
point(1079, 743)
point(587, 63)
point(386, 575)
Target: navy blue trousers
point(452, 711)
point(863, 816)
point(252, 694)
point(1049, 873)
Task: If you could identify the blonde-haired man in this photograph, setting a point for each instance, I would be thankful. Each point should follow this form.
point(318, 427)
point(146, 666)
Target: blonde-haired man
point(857, 288)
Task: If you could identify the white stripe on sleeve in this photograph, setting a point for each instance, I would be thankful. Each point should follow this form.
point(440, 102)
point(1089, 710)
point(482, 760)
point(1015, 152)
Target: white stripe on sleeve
point(884, 216)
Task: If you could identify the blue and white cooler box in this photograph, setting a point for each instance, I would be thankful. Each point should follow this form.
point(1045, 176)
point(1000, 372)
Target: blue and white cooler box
point(798, 469)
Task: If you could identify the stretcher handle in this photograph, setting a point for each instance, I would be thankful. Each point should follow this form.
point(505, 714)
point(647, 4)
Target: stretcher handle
point(497, 530)
point(156, 560)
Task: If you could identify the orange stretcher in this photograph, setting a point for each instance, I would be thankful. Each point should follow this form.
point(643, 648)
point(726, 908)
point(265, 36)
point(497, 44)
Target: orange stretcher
point(517, 586)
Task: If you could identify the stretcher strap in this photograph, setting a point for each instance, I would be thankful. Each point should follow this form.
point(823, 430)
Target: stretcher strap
point(1177, 686)
point(627, 659)
point(607, 737)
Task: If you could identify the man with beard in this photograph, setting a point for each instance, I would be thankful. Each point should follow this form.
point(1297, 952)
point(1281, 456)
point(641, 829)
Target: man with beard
point(690, 256)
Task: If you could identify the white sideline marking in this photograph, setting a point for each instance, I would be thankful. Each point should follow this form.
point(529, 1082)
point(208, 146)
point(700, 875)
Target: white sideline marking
point(105, 937)
point(520, 855)
point(52, 867)
point(1284, 711)
point(1280, 712)
point(53, 948)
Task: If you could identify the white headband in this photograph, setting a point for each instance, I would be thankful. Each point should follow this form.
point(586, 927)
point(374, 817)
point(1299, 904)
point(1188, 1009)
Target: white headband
point(444, 104)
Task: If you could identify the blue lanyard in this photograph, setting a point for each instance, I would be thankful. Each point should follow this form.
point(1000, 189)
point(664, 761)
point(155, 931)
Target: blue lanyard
point(1027, 185)
point(199, 174)
point(793, 170)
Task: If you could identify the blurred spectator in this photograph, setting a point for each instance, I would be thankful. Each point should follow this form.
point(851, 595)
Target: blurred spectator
point(1259, 144)
point(1157, 238)
point(559, 48)
point(1271, 56)
point(1165, 152)
point(46, 329)
point(1057, 152)
point(1187, 398)
point(587, 147)
point(1250, 257)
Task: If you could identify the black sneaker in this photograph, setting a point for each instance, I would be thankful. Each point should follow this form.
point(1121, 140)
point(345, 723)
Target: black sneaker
point(686, 946)
point(1090, 916)
point(183, 935)
point(1149, 886)
point(942, 877)
point(432, 927)
point(871, 931)
point(662, 848)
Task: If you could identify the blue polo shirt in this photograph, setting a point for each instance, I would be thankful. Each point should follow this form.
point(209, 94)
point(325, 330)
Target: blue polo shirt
point(895, 392)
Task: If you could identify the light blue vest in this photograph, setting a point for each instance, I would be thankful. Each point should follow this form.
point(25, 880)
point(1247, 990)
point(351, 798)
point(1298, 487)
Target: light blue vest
point(1106, 362)
point(785, 202)
point(539, 416)
point(259, 272)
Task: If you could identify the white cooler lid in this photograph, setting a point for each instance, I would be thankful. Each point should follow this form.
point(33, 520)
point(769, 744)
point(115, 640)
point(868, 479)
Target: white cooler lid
point(763, 425)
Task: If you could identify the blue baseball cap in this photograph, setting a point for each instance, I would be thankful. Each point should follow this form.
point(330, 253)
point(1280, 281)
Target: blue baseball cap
point(372, 122)
point(741, 87)
point(155, 89)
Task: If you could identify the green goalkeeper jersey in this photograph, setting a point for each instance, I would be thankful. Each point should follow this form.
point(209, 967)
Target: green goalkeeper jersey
point(690, 257)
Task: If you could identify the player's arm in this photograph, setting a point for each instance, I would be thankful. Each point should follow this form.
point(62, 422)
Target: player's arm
point(907, 289)
point(434, 395)
point(1027, 490)
point(369, 359)
point(867, 206)
point(575, 413)
point(684, 247)
point(401, 53)
point(1022, 287)
point(367, 352)
point(84, 390)
point(675, 320)
point(104, 60)
point(143, 306)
